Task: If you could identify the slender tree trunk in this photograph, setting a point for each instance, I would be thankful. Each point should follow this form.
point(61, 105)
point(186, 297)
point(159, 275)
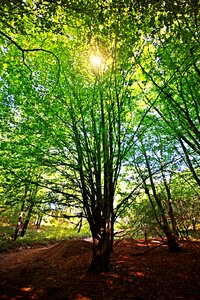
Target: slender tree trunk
point(169, 200)
point(146, 237)
point(18, 226)
point(112, 231)
point(26, 222)
point(33, 194)
point(188, 160)
point(19, 221)
point(194, 224)
point(171, 237)
point(38, 221)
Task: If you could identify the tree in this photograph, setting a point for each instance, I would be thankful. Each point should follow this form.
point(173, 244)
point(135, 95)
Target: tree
point(169, 64)
point(154, 160)
point(186, 192)
point(83, 121)
point(94, 114)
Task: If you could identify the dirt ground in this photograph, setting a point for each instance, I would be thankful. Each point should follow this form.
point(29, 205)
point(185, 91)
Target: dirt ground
point(58, 272)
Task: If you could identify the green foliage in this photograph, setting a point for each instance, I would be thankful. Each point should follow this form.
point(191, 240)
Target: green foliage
point(92, 137)
point(45, 235)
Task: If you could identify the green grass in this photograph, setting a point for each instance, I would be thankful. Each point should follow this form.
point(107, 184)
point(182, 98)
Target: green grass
point(42, 236)
point(48, 234)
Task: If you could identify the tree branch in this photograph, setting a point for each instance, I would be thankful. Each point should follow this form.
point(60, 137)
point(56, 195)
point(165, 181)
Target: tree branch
point(31, 50)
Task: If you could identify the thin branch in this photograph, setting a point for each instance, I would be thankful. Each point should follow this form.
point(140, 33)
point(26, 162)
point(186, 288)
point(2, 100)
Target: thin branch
point(32, 50)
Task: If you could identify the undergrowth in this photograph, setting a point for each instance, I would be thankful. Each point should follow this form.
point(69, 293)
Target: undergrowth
point(34, 237)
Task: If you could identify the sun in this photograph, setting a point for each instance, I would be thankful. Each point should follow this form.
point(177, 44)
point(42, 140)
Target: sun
point(96, 61)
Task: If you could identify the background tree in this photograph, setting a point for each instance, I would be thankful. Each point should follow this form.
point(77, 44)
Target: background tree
point(84, 122)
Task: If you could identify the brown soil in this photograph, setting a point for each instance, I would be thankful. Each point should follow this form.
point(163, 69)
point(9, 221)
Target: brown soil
point(58, 272)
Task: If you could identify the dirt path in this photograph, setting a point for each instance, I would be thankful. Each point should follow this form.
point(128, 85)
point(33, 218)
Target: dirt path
point(58, 272)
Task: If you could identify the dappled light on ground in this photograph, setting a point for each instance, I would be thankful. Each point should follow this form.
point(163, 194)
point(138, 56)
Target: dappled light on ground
point(80, 297)
point(58, 272)
point(26, 289)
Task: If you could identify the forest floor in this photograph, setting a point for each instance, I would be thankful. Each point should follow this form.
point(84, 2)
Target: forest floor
point(58, 272)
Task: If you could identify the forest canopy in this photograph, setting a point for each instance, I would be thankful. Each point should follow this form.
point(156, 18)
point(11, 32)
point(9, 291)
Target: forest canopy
point(100, 115)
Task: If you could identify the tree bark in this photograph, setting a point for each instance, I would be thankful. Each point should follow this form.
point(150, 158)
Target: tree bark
point(171, 237)
point(18, 226)
point(101, 251)
point(20, 219)
point(169, 200)
point(38, 221)
point(172, 242)
point(26, 222)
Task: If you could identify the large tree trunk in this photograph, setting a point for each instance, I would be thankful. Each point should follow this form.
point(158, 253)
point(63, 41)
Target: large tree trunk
point(101, 250)
point(171, 239)
point(100, 256)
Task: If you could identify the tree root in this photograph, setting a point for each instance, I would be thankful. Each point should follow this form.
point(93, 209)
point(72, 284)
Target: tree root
point(148, 250)
point(179, 249)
